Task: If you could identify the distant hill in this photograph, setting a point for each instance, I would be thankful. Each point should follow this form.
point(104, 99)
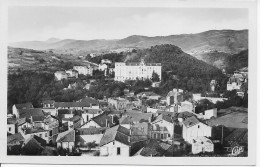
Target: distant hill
point(226, 61)
point(228, 41)
point(175, 60)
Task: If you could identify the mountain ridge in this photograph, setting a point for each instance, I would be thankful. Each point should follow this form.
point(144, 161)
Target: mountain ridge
point(228, 41)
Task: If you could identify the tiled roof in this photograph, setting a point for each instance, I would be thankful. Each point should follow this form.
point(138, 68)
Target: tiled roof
point(163, 117)
point(101, 120)
point(14, 139)
point(71, 104)
point(27, 113)
point(125, 120)
point(31, 146)
point(24, 106)
point(191, 121)
point(48, 101)
point(38, 118)
point(93, 111)
point(147, 94)
point(21, 121)
point(152, 148)
point(138, 116)
point(67, 136)
point(90, 131)
point(34, 130)
point(185, 114)
point(11, 121)
point(116, 133)
point(65, 111)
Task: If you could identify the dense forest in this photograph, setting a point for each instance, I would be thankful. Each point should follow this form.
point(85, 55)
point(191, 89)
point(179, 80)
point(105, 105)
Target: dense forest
point(237, 61)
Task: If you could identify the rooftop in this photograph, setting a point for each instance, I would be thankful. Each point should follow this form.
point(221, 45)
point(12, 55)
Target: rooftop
point(191, 121)
point(67, 136)
point(116, 133)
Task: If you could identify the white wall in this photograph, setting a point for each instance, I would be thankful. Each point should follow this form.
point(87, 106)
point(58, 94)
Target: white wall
point(91, 124)
point(196, 131)
point(110, 149)
point(66, 145)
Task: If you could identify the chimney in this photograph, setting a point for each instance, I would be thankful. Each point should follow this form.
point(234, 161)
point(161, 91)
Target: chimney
point(106, 123)
point(112, 118)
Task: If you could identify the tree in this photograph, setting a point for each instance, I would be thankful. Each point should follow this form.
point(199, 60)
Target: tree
point(155, 77)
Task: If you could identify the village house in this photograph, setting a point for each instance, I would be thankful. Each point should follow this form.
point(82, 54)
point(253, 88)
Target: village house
point(186, 106)
point(40, 132)
point(174, 97)
point(14, 143)
point(102, 120)
point(66, 140)
point(149, 95)
point(74, 122)
point(102, 67)
point(162, 127)
point(116, 142)
point(153, 148)
point(11, 125)
point(140, 132)
point(208, 114)
point(17, 107)
point(72, 73)
point(90, 113)
point(84, 70)
point(30, 113)
point(202, 144)
point(48, 107)
point(33, 145)
point(51, 124)
point(89, 135)
point(106, 61)
point(73, 105)
point(131, 117)
point(23, 124)
point(94, 104)
point(48, 103)
point(118, 103)
point(193, 128)
point(59, 75)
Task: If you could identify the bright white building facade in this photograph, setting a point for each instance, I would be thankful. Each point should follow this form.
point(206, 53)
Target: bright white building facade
point(131, 71)
point(85, 70)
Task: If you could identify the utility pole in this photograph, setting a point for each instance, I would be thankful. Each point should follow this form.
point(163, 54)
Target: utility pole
point(221, 134)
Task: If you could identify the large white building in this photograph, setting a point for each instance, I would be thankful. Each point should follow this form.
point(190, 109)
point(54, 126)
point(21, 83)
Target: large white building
point(85, 70)
point(131, 71)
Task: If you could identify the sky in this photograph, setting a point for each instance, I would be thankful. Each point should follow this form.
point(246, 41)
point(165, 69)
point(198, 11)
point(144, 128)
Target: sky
point(87, 23)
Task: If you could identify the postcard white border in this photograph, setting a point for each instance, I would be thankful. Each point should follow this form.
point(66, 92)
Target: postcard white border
point(250, 160)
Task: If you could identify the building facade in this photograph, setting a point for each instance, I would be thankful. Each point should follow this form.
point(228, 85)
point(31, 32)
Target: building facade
point(131, 71)
point(85, 70)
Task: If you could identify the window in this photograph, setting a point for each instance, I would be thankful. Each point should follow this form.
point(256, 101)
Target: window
point(45, 134)
point(118, 151)
point(198, 126)
point(154, 135)
point(9, 129)
point(169, 135)
point(40, 135)
point(161, 136)
point(113, 143)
